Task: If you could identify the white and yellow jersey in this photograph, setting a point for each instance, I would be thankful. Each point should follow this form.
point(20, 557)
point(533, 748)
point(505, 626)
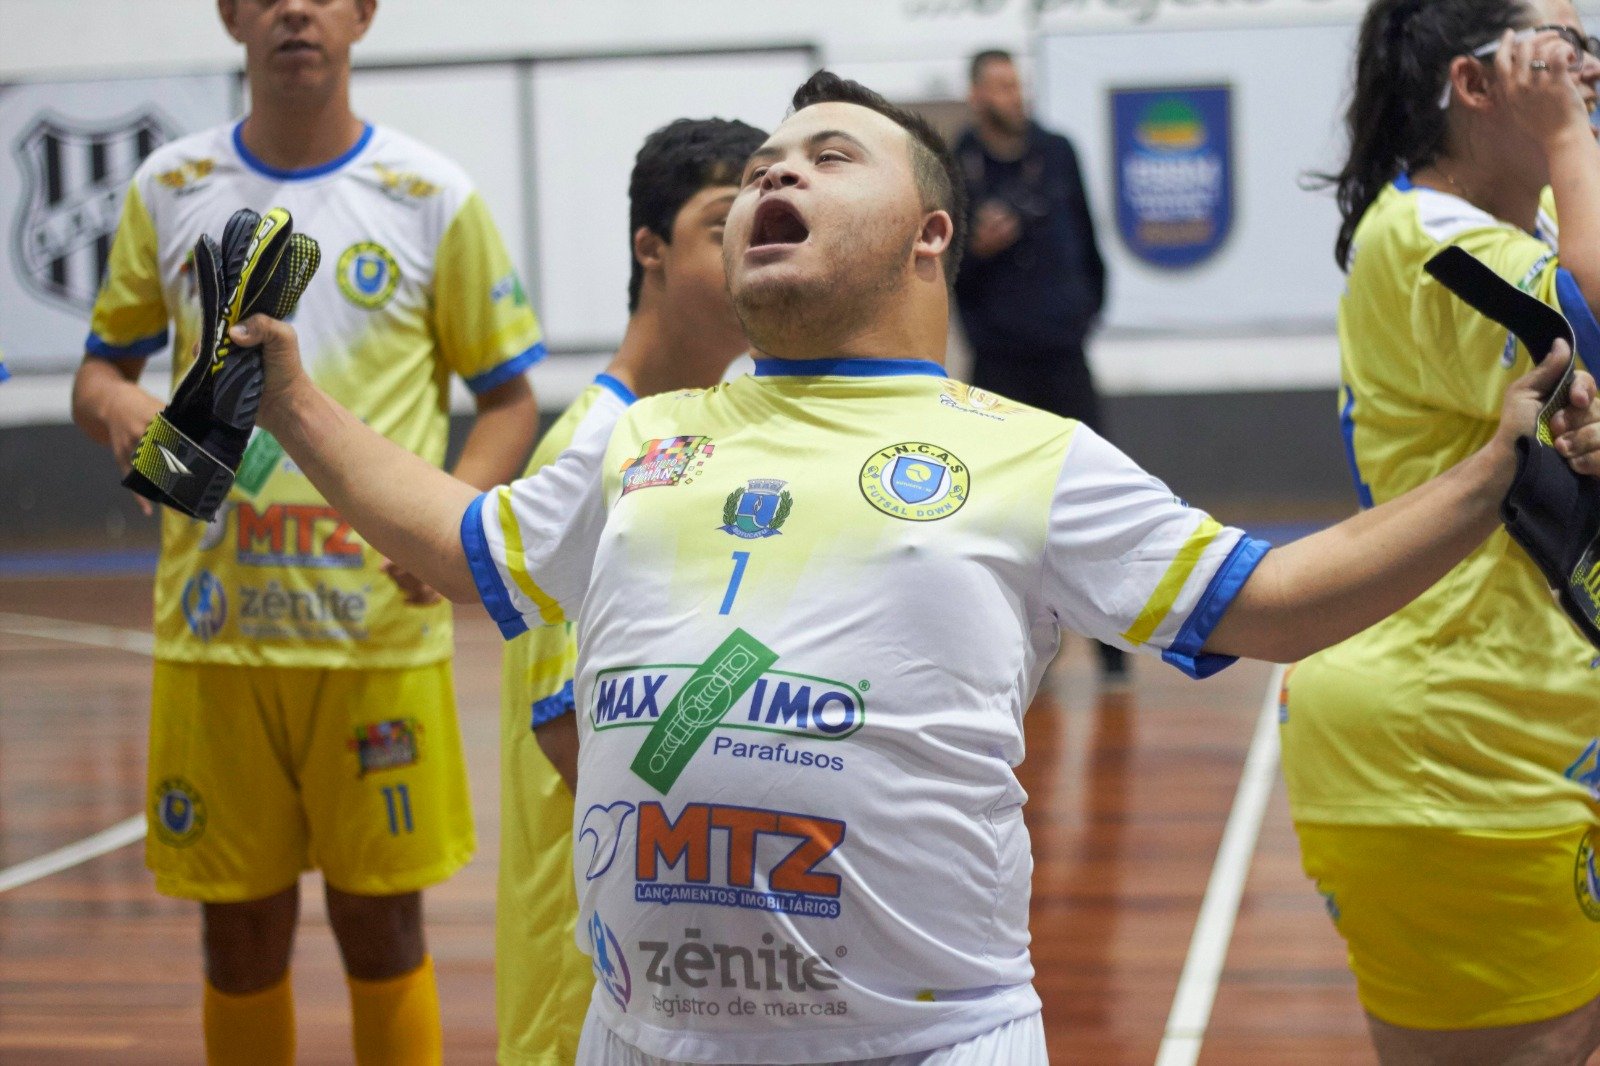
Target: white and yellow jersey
point(812, 606)
point(415, 285)
point(1480, 706)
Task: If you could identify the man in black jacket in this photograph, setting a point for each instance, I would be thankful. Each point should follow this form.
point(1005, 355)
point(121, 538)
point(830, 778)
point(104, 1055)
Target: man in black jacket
point(1033, 281)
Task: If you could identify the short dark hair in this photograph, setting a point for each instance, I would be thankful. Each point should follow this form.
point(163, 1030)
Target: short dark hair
point(938, 181)
point(675, 163)
point(985, 57)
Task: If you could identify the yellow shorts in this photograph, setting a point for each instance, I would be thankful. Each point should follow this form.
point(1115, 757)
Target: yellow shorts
point(542, 981)
point(259, 773)
point(1459, 929)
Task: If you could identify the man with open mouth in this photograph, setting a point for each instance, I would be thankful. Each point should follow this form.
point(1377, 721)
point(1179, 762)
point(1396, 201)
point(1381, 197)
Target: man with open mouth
point(814, 603)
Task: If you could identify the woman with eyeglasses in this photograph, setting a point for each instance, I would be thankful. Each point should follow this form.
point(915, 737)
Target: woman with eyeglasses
point(1444, 765)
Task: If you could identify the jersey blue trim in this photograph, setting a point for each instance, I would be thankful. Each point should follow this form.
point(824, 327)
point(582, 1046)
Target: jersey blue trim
point(517, 364)
point(553, 706)
point(139, 348)
point(1347, 430)
point(849, 368)
point(1579, 313)
point(304, 173)
point(496, 600)
point(1403, 183)
point(616, 388)
point(1186, 653)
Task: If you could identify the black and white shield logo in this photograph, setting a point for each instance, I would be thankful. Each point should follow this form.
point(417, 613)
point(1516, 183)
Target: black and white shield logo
point(76, 173)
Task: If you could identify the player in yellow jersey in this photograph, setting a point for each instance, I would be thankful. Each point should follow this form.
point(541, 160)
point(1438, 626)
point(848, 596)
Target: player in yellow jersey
point(805, 745)
point(303, 710)
point(682, 333)
point(1443, 766)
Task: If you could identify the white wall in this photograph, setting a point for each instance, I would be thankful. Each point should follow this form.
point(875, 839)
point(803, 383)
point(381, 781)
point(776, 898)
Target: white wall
point(1275, 268)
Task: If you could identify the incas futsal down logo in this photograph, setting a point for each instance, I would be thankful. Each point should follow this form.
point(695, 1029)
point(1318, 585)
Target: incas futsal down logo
point(916, 481)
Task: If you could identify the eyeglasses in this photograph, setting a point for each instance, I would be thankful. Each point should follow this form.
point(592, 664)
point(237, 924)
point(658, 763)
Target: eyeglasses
point(1582, 48)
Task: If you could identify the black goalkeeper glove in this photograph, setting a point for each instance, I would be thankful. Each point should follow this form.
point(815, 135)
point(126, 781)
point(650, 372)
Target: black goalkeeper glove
point(189, 454)
point(1551, 509)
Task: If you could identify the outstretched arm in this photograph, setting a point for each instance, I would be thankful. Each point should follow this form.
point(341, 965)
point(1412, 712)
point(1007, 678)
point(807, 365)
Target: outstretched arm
point(407, 509)
point(1317, 591)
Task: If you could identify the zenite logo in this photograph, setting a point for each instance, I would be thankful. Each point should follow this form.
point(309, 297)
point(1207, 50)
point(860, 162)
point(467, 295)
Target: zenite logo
point(754, 837)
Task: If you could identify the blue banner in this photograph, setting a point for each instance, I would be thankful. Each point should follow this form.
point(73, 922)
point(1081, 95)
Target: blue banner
point(1173, 157)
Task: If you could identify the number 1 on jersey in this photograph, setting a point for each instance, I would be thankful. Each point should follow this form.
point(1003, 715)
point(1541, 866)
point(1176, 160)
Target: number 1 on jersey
point(739, 561)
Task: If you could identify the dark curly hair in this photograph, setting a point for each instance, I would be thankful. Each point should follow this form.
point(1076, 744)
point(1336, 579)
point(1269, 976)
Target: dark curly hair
point(675, 163)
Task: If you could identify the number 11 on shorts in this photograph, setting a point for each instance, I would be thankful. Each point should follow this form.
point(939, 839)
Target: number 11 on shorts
point(398, 800)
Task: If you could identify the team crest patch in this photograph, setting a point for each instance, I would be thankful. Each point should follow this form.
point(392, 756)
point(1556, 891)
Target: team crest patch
point(387, 745)
point(368, 275)
point(76, 175)
point(205, 605)
point(758, 510)
point(666, 461)
point(1586, 876)
point(960, 396)
point(180, 813)
point(916, 481)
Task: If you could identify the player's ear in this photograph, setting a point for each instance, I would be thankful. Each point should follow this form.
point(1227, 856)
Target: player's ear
point(934, 240)
point(226, 9)
point(649, 249)
point(1469, 82)
point(365, 10)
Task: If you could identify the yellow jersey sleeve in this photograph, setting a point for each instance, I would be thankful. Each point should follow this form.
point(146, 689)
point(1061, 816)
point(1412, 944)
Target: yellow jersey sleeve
point(130, 313)
point(487, 330)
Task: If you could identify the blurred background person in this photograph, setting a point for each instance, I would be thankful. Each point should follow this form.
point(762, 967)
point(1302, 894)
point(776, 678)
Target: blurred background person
point(1032, 283)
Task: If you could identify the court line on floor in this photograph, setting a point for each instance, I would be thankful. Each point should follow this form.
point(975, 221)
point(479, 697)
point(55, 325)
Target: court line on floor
point(120, 835)
point(1208, 949)
point(124, 832)
point(118, 639)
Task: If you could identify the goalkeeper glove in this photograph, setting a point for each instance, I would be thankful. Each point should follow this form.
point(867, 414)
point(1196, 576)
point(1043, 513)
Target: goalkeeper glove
point(188, 456)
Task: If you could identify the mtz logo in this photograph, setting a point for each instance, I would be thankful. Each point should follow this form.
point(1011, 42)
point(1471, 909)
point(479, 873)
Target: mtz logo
point(794, 885)
point(296, 534)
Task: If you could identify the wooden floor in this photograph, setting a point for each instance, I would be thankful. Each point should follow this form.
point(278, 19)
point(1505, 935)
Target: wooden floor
point(1130, 795)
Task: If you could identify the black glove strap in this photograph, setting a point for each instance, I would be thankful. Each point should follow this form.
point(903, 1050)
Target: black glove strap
point(1551, 510)
point(171, 469)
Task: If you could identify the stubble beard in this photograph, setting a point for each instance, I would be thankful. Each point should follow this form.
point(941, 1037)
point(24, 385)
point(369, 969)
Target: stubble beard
point(812, 317)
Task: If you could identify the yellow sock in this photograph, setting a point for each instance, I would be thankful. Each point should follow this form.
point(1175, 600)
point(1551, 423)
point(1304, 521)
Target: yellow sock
point(396, 1021)
point(255, 1029)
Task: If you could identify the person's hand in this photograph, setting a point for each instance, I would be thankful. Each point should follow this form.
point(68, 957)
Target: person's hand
point(1536, 78)
point(134, 412)
point(1576, 427)
point(280, 355)
point(414, 590)
point(995, 227)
